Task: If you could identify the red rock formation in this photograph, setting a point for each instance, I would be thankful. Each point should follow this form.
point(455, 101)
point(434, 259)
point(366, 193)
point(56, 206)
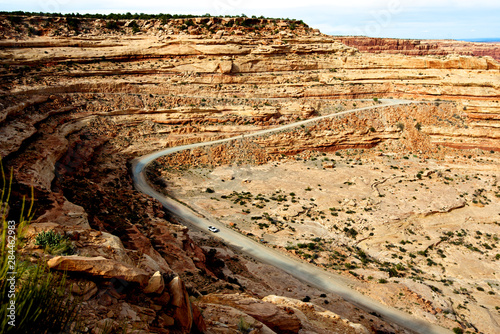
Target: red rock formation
point(415, 47)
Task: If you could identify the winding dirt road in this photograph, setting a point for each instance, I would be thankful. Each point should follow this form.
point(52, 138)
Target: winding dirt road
point(306, 272)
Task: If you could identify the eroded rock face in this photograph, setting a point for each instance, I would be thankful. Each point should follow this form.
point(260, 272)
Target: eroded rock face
point(152, 260)
point(416, 47)
point(66, 214)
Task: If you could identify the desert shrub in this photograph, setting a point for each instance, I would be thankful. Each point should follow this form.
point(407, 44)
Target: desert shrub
point(33, 32)
point(112, 24)
point(73, 23)
point(41, 303)
point(14, 19)
point(351, 232)
point(54, 243)
point(134, 26)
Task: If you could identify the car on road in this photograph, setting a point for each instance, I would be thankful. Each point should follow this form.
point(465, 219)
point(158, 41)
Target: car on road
point(213, 229)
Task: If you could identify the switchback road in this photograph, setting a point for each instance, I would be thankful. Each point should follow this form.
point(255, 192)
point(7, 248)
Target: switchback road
point(306, 272)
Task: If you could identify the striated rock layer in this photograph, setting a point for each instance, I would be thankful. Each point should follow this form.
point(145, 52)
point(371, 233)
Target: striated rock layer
point(415, 47)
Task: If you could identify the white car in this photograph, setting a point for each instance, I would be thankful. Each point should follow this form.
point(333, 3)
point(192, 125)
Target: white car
point(213, 229)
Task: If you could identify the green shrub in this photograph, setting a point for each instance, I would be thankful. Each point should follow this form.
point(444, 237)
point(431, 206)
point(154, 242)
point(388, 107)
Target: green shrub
point(112, 25)
point(41, 303)
point(54, 243)
point(244, 326)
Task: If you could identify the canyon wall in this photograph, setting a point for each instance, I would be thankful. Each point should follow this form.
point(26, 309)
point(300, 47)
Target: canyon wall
point(80, 99)
point(415, 47)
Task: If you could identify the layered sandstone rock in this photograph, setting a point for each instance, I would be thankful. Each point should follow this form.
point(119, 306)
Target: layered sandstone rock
point(414, 47)
point(100, 267)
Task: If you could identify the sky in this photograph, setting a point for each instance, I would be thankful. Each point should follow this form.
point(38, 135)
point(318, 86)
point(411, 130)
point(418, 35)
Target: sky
point(421, 19)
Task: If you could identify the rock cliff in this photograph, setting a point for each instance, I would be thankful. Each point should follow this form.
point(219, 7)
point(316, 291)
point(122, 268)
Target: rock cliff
point(415, 47)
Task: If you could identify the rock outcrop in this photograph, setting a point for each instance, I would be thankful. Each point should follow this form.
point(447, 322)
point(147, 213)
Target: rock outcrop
point(98, 266)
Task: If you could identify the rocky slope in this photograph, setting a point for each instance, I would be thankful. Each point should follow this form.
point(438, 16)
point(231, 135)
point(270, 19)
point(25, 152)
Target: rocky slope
point(80, 99)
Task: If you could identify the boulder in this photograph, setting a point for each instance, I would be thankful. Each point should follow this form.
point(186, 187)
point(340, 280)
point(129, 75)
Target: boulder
point(113, 244)
point(142, 316)
point(128, 312)
point(226, 319)
point(183, 313)
point(225, 67)
point(104, 325)
point(155, 284)
point(99, 267)
point(269, 314)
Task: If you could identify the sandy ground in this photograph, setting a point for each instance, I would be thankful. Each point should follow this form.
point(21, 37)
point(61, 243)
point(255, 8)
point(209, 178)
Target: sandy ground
point(420, 235)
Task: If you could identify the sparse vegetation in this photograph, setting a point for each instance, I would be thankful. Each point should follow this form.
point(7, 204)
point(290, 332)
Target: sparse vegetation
point(54, 243)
